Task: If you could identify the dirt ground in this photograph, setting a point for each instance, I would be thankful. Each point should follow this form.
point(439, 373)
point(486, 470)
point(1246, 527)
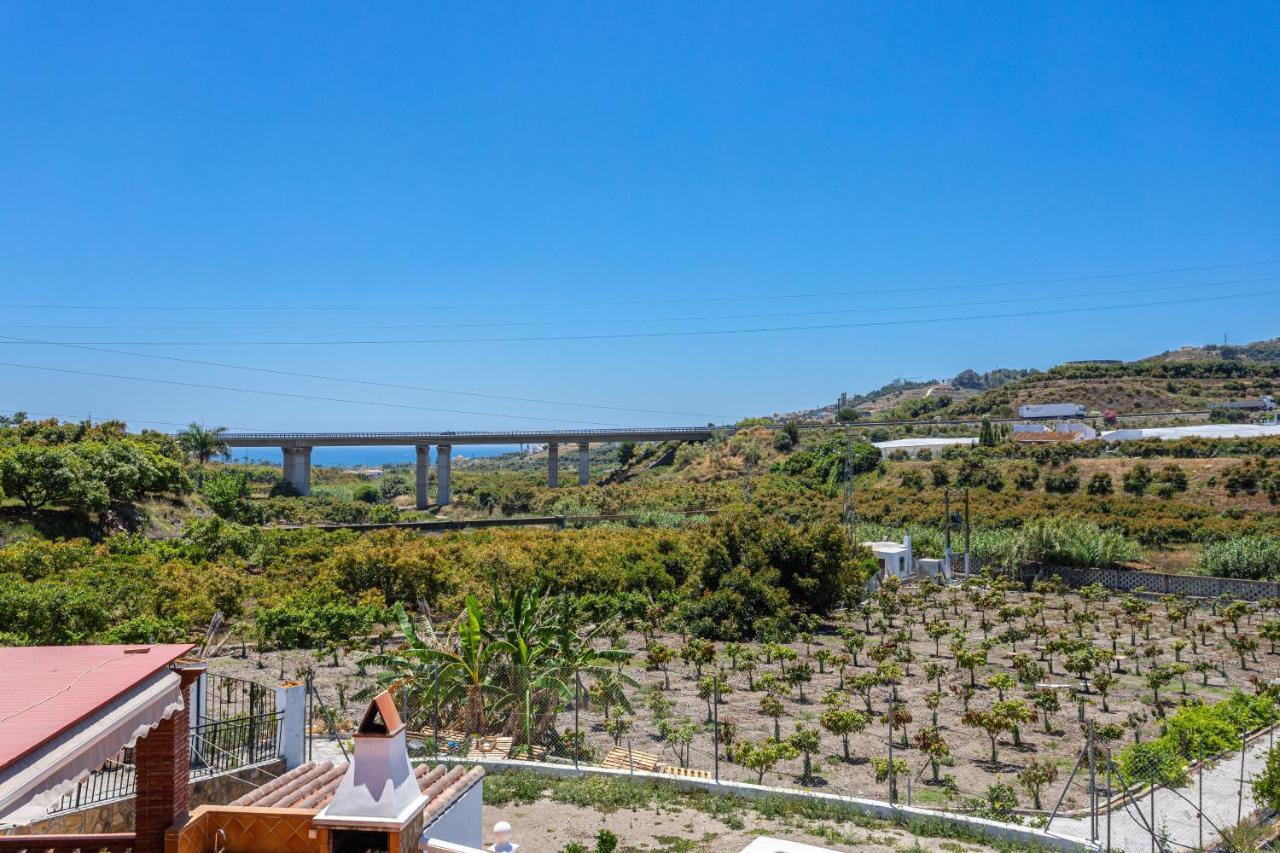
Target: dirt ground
point(969, 765)
point(548, 826)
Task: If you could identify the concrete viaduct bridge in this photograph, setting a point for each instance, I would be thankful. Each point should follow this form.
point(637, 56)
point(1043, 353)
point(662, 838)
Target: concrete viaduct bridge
point(297, 449)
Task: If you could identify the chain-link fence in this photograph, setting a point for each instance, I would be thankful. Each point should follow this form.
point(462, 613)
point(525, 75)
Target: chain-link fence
point(605, 717)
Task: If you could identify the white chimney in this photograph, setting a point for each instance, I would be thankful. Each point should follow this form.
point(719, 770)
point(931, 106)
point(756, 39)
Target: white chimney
point(379, 790)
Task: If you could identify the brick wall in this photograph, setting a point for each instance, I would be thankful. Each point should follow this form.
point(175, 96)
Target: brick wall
point(163, 762)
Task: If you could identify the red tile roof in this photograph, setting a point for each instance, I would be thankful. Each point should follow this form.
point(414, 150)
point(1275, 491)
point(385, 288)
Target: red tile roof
point(47, 690)
point(312, 785)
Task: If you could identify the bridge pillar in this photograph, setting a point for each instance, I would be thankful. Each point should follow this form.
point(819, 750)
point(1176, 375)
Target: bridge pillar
point(444, 462)
point(553, 461)
point(422, 475)
point(297, 468)
point(584, 463)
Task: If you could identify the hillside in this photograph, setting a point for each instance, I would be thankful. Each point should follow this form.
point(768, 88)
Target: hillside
point(1186, 379)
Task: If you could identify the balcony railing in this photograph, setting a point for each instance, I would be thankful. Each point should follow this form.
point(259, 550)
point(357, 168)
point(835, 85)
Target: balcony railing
point(217, 747)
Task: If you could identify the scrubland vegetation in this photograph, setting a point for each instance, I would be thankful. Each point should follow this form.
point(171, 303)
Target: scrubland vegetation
point(728, 618)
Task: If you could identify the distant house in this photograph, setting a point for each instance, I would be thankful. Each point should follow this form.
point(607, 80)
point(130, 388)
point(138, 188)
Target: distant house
point(1083, 430)
point(1062, 431)
point(1047, 436)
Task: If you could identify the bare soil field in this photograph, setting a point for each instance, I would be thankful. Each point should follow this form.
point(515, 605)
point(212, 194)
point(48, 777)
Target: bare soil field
point(548, 825)
point(1143, 634)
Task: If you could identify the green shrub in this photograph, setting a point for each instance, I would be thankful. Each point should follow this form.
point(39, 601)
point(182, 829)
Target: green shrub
point(1194, 732)
point(1249, 557)
point(1062, 482)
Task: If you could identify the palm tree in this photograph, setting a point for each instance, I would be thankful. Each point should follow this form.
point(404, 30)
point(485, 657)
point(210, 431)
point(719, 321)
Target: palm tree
point(436, 668)
point(548, 656)
point(202, 444)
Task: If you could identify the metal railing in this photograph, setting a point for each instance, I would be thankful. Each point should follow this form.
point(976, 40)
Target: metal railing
point(217, 747)
point(115, 780)
point(225, 697)
point(226, 745)
point(505, 434)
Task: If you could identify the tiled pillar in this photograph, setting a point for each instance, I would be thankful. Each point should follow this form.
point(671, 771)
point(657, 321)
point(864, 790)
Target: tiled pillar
point(163, 764)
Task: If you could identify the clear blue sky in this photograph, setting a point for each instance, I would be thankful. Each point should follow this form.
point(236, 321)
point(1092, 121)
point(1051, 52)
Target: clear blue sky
point(437, 168)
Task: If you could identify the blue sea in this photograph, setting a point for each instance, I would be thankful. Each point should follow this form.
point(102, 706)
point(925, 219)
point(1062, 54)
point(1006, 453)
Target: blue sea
point(367, 457)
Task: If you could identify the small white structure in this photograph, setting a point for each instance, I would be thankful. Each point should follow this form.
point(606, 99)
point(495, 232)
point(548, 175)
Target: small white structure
point(1197, 431)
point(894, 558)
point(913, 446)
point(933, 567)
point(1030, 428)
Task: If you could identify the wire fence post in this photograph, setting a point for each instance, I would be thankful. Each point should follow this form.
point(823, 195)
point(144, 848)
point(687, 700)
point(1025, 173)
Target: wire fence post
point(252, 721)
point(1109, 796)
point(1065, 788)
point(435, 708)
point(311, 713)
point(1093, 790)
point(1244, 749)
point(1152, 772)
point(715, 725)
point(577, 700)
point(1200, 803)
point(893, 782)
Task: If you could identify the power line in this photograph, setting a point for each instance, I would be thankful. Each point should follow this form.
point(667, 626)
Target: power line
point(127, 420)
point(428, 389)
point(368, 382)
point(910, 321)
point(599, 321)
point(175, 382)
point(668, 301)
point(692, 333)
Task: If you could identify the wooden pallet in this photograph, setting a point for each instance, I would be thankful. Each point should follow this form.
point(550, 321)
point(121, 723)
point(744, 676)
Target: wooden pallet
point(488, 747)
point(621, 758)
point(525, 753)
point(685, 772)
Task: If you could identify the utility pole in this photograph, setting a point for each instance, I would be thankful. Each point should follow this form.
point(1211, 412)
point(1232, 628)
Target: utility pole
point(850, 508)
point(893, 782)
point(946, 527)
point(966, 530)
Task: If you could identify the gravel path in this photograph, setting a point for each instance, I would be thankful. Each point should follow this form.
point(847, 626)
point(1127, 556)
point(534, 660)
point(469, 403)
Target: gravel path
point(1176, 816)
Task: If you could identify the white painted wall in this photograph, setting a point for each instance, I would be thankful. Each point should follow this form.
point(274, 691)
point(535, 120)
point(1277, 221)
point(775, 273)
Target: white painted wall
point(463, 822)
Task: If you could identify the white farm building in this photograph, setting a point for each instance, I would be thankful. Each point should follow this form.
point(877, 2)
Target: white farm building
point(1197, 431)
point(913, 446)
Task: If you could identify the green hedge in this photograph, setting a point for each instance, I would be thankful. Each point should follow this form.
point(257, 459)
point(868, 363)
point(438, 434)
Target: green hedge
point(1194, 732)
